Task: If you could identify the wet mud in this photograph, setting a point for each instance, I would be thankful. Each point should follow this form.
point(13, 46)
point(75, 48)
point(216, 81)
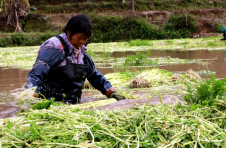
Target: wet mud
point(8, 110)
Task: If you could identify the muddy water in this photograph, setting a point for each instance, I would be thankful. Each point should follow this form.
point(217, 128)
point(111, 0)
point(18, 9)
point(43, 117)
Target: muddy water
point(13, 80)
point(10, 80)
point(191, 54)
point(213, 60)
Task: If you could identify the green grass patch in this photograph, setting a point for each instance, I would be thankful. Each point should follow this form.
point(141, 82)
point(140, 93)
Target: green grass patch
point(18, 57)
point(170, 44)
point(142, 59)
point(25, 39)
point(138, 60)
point(139, 42)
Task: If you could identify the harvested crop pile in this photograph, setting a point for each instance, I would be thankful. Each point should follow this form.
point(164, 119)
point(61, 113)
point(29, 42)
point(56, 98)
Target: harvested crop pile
point(192, 75)
point(177, 77)
point(147, 78)
point(152, 77)
point(117, 78)
point(143, 126)
point(138, 83)
point(201, 122)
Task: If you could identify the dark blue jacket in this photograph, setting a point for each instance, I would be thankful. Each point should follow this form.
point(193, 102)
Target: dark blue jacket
point(51, 58)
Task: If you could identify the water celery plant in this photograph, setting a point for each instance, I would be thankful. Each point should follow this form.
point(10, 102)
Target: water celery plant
point(205, 92)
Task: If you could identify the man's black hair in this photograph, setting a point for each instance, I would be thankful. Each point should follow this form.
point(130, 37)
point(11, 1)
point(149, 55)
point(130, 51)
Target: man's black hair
point(79, 24)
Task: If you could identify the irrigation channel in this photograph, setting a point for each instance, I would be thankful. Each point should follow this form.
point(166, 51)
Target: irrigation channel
point(13, 80)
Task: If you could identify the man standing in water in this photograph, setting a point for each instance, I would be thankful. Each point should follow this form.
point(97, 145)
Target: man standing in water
point(63, 65)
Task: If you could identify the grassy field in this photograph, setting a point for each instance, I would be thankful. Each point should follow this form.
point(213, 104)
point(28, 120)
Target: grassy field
point(208, 43)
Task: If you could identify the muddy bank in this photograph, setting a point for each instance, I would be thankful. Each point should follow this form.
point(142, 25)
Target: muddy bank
point(206, 19)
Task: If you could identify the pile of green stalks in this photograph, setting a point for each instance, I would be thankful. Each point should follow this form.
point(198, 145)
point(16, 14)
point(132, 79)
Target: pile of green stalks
point(151, 77)
point(141, 126)
point(119, 78)
point(144, 79)
point(18, 57)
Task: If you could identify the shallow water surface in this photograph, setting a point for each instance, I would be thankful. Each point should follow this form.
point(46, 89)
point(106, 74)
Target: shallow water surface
point(13, 80)
point(213, 60)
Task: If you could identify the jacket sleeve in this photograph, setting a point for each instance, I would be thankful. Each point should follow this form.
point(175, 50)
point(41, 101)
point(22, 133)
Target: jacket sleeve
point(96, 78)
point(47, 59)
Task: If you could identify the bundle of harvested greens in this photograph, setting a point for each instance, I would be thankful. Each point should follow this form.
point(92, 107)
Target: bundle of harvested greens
point(154, 77)
point(138, 83)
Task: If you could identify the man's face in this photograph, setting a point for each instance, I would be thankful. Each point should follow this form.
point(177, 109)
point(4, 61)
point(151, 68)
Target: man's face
point(77, 40)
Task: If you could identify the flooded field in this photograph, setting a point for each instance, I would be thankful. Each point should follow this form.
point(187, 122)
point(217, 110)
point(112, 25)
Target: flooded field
point(213, 60)
point(13, 80)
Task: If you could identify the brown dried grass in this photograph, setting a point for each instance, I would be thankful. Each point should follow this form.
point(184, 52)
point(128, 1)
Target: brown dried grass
point(138, 83)
point(192, 75)
point(177, 77)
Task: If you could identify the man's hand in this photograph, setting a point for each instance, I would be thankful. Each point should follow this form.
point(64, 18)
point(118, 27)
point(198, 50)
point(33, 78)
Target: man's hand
point(117, 96)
